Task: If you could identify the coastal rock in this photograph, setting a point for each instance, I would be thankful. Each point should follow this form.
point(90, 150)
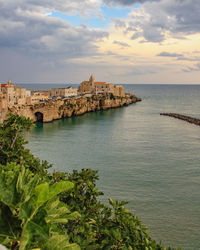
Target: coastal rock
point(53, 110)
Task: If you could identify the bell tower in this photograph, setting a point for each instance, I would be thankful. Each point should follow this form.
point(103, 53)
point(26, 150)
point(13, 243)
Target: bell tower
point(9, 83)
point(91, 81)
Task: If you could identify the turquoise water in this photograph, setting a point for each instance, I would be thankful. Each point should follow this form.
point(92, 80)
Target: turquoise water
point(149, 160)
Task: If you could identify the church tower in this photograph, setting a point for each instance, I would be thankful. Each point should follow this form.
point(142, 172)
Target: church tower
point(91, 81)
point(9, 83)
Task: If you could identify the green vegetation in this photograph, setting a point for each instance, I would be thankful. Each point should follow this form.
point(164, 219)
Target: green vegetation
point(39, 210)
point(112, 97)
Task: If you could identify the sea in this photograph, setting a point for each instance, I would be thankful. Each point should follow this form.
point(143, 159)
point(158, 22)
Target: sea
point(151, 161)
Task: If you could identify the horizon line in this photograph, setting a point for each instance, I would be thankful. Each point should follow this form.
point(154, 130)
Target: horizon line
point(114, 83)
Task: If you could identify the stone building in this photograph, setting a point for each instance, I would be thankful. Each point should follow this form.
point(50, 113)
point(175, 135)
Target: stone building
point(3, 98)
point(95, 88)
point(12, 94)
point(63, 92)
point(3, 103)
point(38, 96)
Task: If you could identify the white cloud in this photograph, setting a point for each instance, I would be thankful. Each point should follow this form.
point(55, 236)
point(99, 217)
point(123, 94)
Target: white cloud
point(30, 34)
point(83, 7)
point(155, 19)
point(25, 26)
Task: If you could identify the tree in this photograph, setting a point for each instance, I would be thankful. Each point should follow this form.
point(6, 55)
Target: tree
point(12, 144)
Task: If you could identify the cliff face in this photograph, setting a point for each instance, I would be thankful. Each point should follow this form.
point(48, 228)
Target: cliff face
point(52, 110)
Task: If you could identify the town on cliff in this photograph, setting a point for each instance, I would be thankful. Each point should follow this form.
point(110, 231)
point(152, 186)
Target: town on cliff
point(64, 102)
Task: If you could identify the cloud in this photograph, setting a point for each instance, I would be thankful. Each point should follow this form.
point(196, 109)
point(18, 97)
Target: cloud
point(83, 7)
point(35, 44)
point(194, 59)
point(40, 42)
point(121, 44)
point(26, 29)
point(143, 70)
point(126, 2)
point(180, 57)
point(155, 19)
point(142, 25)
point(192, 69)
point(136, 35)
point(167, 54)
point(25, 25)
point(44, 35)
point(196, 51)
point(118, 23)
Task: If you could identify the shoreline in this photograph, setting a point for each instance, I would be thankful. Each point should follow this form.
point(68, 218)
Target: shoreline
point(54, 110)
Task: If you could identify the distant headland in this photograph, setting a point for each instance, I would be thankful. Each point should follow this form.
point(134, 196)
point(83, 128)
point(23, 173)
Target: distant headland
point(58, 103)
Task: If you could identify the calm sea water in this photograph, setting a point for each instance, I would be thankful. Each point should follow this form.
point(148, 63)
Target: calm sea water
point(151, 161)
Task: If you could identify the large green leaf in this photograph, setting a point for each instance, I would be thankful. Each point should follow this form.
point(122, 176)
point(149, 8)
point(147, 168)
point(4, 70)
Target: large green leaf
point(60, 187)
point(58, 242)
point(34, 208)
point(44, 192)
point(41, 193)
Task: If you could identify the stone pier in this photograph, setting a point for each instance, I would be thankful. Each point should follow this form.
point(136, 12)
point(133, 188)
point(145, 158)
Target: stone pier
point(183, 117)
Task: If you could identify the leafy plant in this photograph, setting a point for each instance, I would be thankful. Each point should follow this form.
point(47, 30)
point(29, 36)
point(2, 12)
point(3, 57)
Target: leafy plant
point(60, 210)
point(12, 144)
point(101, 226)
point(11, 140)
point(30, 210)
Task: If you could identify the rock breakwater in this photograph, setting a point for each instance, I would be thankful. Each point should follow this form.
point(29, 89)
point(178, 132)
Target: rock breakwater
point(183, 117)
point(58, 109)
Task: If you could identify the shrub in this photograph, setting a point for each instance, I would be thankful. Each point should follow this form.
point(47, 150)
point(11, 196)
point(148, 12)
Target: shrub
point(60, 210)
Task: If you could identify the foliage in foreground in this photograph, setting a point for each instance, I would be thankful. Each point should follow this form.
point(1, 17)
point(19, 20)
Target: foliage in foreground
point(59, 210)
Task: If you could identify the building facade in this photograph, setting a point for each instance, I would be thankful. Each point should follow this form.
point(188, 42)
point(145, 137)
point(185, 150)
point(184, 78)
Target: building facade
point(12, 94)
point(95, 88)
point(63, 92)
point(38, 96)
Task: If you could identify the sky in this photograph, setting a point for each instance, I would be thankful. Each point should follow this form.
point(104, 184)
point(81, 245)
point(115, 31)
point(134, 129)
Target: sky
point(119, 41)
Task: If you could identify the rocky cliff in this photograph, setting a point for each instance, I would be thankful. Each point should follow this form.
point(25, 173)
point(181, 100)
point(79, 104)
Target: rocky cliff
point(52, 110)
